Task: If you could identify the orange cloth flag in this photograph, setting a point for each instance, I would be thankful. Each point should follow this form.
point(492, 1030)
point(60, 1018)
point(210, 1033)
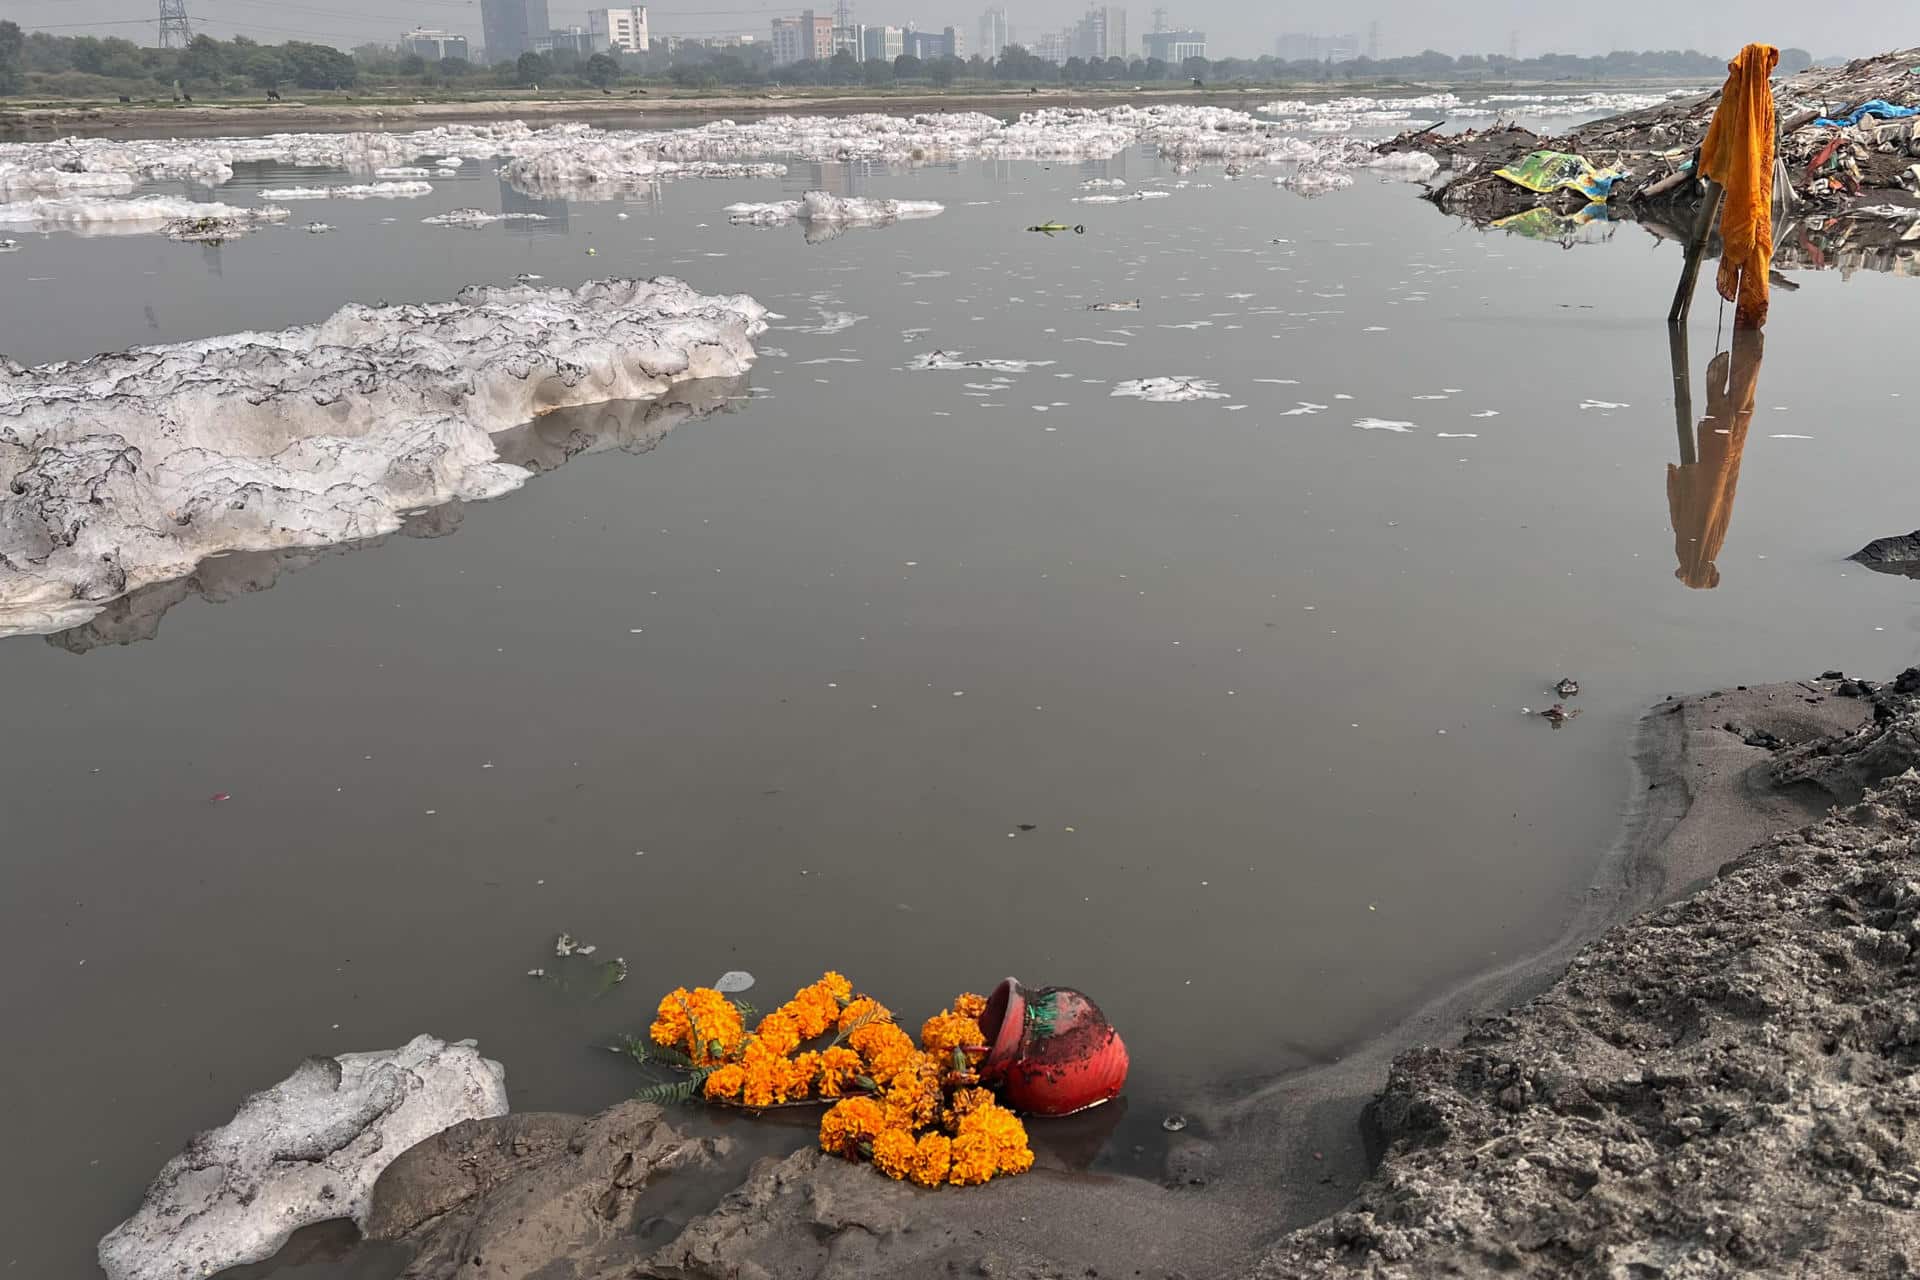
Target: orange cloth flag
point(1738, 154)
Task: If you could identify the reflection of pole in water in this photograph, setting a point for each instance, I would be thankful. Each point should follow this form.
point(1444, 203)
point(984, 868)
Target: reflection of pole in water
point(1700, 490)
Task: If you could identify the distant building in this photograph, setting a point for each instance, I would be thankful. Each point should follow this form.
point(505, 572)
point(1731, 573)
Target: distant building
point(1053, 46)
point(1175, 47)
point(849, 38)
point(1298, 46)
point(928, 45)
point(1101, 34)
point(621, 29)
point(575, 40)
point(995, 34)
point(433, 46)
point(883, 44)
point(808, 37)
point(511, 27)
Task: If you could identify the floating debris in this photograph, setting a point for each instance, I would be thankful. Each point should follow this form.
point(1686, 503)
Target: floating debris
point(1174, 1123)
point(1557, 715)
point(1130, 305)
point(1568, 687)
point(1169, 390)
point(567, 945)
point(734, 981)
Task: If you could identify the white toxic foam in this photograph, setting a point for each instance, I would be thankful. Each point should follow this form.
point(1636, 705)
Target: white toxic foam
point(1169, 390)
point(820, 206)
point(128, 469)
point(90, 216)
point(350, 191)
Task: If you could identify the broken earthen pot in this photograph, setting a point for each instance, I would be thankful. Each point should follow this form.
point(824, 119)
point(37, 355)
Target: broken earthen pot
point(1050, 1050)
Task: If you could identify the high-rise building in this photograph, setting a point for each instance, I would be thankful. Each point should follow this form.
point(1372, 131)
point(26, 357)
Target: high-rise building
point(849, 38)
point(883, 44)
point(1101, 34)
point(995, 34)
point(510, 27)
point(1053, 47)
point(621, 29)
point(1175, 47)
point(928, 45)
point(433, 46)
point(808, 37)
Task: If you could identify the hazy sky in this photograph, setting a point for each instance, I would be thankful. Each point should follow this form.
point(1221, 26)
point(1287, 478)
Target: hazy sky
point(1233, 27)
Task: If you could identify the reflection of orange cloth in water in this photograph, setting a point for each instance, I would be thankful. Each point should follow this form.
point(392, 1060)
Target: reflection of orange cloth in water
point(1700, 493)
point(1738, 154)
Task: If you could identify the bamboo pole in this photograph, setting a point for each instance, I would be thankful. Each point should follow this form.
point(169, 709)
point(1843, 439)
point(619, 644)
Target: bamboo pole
point(1682, 391)
point(1696, 249)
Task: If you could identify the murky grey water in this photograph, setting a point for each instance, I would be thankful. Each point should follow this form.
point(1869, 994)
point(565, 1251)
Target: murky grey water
point(779, 690)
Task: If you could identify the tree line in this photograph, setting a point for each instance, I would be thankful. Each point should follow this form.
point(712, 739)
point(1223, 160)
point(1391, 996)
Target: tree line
point(82, 66)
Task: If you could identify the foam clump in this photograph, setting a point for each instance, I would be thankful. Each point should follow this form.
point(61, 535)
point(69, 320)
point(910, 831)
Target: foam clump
point(130, 468)
point(478, 218)
point(824, 208)
point(307, 1150)
point(351, 191)
point(88, 215)
point(1169, 390)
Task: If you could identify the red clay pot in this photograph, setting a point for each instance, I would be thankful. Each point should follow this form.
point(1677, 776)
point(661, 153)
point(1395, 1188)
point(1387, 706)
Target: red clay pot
point(1050, 1051)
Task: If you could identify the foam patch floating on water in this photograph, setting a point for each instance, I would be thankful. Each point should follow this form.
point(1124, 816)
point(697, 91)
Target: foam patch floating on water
point(1169, 390)
point(129, 469)
point(478, 218)
point(954, 360)
point(822, 211)
point(351, 191)
point(1383, 424)
point(142, 215)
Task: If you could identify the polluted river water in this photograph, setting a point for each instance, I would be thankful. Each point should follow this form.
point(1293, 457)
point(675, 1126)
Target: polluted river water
point(1216, 697)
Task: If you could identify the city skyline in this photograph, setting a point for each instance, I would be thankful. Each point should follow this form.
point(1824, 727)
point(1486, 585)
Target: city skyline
point(1235, 28)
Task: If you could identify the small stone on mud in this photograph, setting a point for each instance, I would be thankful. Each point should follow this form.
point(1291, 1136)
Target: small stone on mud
point(1174, 1123)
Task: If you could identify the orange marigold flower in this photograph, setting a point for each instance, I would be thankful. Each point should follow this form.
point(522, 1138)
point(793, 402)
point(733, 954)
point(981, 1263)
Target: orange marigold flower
point(813, 1010)
point(838, 1067)
point(767, 1075)
point(725, 1084)
point(702, 1021)
point(945, 1032)
point(801, 1071)
point(836, 986)
point(1003, 1135)
point(932, 1157)
point(969, 1004)
point(779, 1033)
point(866, 1009)
point(893, 1152)
point(886, 1049)
point(851, 1122)
point(913, 1097)
point(974, 1160)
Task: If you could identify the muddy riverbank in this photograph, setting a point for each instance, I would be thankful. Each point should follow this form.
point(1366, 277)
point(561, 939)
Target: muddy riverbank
point(1706, 1090)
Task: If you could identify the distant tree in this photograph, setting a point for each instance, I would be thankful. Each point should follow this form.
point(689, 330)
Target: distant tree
point(843, 69)
point(411, 64)
point(876, 73)
point(1073, 70)
point(907, 67)
point(318, 66)
point(1196, 69)
point(601, 70)
point(532, 68)
point(943, 70)
point(13, 54)
point(455, 68)
point(1793, 61)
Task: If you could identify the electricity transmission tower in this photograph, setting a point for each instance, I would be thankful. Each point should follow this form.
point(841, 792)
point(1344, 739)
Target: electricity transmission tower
point(174, 27)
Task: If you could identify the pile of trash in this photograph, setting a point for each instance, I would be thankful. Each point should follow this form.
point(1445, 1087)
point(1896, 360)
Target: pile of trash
point(1850, 140)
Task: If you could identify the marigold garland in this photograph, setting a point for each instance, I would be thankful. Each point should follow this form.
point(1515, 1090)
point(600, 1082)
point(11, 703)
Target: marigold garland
point(917, 1112)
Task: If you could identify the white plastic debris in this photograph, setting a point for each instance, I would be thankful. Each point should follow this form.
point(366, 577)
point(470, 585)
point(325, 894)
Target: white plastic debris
point(307, 1150)
point(734, 981)
point(567, 945)
point(130, 468)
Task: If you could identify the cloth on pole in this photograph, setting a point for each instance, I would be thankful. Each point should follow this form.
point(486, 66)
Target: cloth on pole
point(1738, 154)
point(1545, 172)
